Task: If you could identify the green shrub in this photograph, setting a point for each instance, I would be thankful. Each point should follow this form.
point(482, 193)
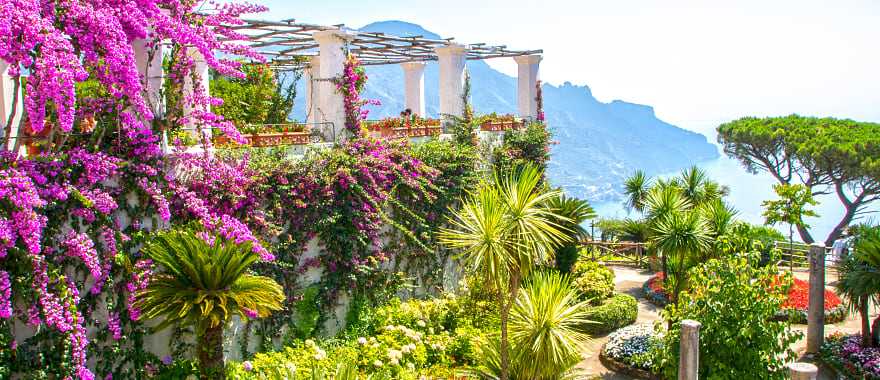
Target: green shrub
point(594, 281)
point(616, 312)
point(735, 302)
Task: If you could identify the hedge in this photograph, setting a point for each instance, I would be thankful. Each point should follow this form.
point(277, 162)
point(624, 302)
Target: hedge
point(616, 312)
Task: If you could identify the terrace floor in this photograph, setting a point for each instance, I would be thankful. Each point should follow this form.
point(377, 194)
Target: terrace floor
point(630, 280)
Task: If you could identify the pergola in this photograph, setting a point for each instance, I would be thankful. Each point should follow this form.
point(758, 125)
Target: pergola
point(286, 43)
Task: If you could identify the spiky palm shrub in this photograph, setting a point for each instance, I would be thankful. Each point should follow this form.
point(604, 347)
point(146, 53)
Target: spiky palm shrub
point(204, 285)
point(544, 330)
point(502, 231)
point(859, 283)
point(576, 212)
point(636, 188)
point(681, 235)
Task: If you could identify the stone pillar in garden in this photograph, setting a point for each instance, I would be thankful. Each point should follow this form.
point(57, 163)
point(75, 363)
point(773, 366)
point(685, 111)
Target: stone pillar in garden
point(689, 359)
point(7, 97)
point(803, 371)
point(452, 59)
point(414, 86)
point(202, 73)
point(148, 57)
point(312, 75)
point(331, 102)
point(527, 85)
point(816, 308)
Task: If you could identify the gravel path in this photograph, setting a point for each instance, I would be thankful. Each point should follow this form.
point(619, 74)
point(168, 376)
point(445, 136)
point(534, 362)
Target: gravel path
point(630, 280)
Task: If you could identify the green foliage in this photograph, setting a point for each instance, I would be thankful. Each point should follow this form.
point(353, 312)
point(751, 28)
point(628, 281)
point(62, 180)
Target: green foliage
point(546, 342)
point(576, 212)
point(502, 231)
point(636, 189)
point(258, 98)
point(735, 302)
point(616, 312)
point(826, 155)
point(593, 281)
point(791, 207)
point(529, 145)
point(859, 284)
point(204, 285)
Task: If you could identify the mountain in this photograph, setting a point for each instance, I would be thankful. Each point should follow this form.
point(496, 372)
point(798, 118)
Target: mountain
point(599, 144)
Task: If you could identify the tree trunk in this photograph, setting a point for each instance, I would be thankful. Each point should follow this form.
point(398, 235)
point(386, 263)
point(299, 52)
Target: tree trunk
point(505, 314)
point(866, 321)
point(210, 352)
point(875, 336)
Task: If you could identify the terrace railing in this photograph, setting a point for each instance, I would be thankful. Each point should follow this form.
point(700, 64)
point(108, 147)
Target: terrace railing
point(384, 129)
point(284, 134)
point(616, 251)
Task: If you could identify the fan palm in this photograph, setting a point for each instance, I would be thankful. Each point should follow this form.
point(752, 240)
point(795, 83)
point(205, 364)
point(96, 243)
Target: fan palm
point(545, 337)
point(636, 189)
point(860, 278)
point(502, 231)
point(204, 285)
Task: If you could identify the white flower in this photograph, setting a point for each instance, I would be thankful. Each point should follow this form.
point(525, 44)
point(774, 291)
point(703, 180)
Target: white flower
point(377, 363)
point(362, 341)
point(320, 354)
point(412, 367)
point(389, 328)
point(421, 323)
point(394, 362)
point(310, 343)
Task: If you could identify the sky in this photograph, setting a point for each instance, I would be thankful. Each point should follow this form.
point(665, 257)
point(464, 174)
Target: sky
point(698, 63)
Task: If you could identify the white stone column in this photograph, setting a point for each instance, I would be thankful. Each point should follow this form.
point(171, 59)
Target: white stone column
point(803, 371)
point(689, 350)
point(452, 60)
point(414, 86)
point(148, 57)
point(7, 97)
point(312, 74)
point(201, 70)
point(527, 80)
point(816, 306)
point(331, 103)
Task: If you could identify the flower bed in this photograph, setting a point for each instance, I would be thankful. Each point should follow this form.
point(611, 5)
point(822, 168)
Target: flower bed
point(794, 308)
point(796, 305)
point(845, 354)
point(628, 351)
point(654, 291)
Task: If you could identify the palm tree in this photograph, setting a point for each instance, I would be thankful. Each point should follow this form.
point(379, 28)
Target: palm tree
point(860, 279)
point(576, 212)
point(682, 235)
point(545, 331)
point(636, 189)
point(204, 285)
point(720, 218)
point(503, 230)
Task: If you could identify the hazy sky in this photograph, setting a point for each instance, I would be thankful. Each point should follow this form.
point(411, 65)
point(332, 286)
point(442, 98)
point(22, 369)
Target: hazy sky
point(697, 62)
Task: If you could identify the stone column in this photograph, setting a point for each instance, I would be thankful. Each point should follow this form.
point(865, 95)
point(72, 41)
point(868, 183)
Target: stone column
point(689, 359)
point(201, 70)
point(148, 58)
point(527, 81)
point(816, 310)
point(331, 103)
point(414, 86)
point(312, 75)
point(452, 59)
point(7, 97)
point(803, 371)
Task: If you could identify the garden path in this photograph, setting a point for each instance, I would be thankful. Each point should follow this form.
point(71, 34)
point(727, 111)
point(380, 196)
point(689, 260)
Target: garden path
point(629, 280)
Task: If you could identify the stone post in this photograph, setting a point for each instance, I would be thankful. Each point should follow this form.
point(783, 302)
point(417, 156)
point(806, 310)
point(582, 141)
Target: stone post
point(689, 359)
point(452, 59)
point(803, 371)
point(331, 102)
point(7, 97)
point(414, 86)
point(816, 310)
point(312, 75)
point(201, 70)
point(527, 85)
point(148, 57)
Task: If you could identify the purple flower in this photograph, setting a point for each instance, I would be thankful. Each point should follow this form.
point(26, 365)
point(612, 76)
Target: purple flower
point(167, 360)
